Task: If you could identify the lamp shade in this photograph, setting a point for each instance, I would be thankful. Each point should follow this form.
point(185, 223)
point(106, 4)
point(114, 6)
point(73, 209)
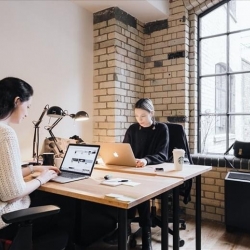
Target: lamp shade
point(81, 116)
point(55, 112)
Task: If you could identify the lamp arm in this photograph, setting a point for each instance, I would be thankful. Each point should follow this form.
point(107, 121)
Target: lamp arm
point(37, 123)
point(54, 124)
point(55, 141)
point(52, 135)
point(36, 135)
point(35, 144)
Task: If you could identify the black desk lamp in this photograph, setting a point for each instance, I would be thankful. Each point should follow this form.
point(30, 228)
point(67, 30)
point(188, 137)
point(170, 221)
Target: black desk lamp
point(36, 136)
point(58, 113)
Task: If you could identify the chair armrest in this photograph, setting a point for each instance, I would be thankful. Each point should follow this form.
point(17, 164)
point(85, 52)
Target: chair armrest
point(29, 214)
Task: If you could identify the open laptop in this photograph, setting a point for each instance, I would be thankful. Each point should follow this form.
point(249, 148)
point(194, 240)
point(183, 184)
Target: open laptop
point(114, 153)
point(78, 162)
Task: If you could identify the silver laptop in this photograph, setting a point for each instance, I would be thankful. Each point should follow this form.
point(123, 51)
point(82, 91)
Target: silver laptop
point(114, 153)
point(78, 162)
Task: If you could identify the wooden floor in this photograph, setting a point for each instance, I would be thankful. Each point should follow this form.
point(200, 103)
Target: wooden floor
point(214, 237)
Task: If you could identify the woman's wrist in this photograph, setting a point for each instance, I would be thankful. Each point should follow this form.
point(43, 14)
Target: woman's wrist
point(40, 182)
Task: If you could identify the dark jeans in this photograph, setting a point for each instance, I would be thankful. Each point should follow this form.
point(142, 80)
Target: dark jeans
point(144, 214)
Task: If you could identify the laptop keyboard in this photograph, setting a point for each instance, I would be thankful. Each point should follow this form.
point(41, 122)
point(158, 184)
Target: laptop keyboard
point(71, 175)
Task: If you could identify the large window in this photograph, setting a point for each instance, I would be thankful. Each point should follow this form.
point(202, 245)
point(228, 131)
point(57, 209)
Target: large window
point(224, 76)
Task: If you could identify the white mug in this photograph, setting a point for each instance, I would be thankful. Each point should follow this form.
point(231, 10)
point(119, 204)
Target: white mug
point(58, 162)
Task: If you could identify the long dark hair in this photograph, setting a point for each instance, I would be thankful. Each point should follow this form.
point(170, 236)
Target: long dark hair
point(10, 88)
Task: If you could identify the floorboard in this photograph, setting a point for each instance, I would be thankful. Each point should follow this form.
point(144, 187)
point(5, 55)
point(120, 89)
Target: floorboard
point(214, 236)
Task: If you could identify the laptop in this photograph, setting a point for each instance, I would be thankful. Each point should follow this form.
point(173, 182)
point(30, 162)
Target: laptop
point(78, 162)
point(114, 153)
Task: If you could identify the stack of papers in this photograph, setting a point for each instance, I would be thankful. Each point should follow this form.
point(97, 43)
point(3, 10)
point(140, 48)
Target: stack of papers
point(119, 181)
point(119, 197)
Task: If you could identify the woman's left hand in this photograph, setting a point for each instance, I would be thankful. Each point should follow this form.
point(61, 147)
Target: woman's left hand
point(140, 163)
point(41, 168)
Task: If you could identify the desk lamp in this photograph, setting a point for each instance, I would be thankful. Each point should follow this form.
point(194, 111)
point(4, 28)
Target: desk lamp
point(58, 113)
point(36, 136)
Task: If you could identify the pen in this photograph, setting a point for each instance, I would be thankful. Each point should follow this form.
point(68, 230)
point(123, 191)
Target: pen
point(123, 181)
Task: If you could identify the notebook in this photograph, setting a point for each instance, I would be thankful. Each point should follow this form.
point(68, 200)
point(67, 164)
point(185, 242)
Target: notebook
point(114, 153)
point(78, 162)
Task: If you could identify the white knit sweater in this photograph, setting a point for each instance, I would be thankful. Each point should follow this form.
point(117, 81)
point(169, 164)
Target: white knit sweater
point(11, 179)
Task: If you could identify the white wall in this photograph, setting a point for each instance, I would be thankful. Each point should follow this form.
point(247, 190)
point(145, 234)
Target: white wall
point(49, 44)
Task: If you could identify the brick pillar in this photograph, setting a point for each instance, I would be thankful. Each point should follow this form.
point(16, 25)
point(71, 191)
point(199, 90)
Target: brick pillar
point(119, 72)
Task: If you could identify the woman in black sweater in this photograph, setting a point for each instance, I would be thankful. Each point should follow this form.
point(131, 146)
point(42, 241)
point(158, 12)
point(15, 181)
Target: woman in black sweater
point(149, 141)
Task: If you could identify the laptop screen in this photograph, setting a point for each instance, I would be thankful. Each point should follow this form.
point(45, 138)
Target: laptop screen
point(80, 158)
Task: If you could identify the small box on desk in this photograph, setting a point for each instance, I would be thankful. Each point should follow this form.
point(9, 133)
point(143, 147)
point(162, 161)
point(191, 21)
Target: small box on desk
point(237, 201)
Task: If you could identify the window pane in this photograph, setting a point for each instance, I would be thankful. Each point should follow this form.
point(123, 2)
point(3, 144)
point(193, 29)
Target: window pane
point(240, 128)
point(239, 15)
point(240, 84)
point(214, 22)
point(213, 95)
point(207, 88)
point(210, 141)
point(239, 50)
point(212, 52)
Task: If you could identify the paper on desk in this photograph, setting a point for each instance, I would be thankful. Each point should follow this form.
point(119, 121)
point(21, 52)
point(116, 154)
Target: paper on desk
point(111, 195)
point(125, 198)
point(111, 183)
point(118, 180)
point(119, 197)
point(131, 183)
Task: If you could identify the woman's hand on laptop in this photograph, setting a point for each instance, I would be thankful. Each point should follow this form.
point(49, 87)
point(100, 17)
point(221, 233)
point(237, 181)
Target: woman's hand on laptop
point(41, 168)
point(140, 163)
point(47, 175)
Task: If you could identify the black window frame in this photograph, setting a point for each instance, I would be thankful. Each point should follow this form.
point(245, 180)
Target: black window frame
point(229, 74)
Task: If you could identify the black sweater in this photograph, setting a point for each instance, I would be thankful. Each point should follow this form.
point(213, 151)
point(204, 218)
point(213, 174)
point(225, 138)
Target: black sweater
point(150, 143)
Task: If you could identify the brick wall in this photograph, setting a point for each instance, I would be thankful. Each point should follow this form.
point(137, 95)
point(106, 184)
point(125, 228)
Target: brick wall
point(212, 186)
point(156, 60)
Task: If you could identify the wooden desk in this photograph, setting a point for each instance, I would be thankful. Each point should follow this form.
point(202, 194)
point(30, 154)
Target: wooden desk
point(188, 172)
point(91, 190)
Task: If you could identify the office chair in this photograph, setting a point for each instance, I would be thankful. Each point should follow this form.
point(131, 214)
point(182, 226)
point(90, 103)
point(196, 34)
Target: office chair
point(177, 139)
point(23, 239)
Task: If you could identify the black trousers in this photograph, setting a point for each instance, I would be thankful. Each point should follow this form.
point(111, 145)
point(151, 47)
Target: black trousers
point(144, 214)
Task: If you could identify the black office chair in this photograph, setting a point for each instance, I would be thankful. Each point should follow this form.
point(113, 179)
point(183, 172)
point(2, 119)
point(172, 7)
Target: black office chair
point(55, 240)
point(177, 139)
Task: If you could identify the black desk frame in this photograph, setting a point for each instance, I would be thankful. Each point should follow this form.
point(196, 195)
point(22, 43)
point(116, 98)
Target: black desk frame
point(197, 216)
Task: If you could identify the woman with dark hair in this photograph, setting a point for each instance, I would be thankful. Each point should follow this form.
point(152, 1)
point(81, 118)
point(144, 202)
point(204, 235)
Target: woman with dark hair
point(149, 141)
point(15, 100)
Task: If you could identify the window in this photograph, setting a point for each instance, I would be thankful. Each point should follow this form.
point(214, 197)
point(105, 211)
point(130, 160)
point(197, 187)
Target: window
point(224, 76)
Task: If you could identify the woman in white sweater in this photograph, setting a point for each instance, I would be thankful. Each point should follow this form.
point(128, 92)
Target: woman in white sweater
point(15, 100)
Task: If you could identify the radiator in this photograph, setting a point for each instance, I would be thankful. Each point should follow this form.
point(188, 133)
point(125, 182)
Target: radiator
point(237, 201)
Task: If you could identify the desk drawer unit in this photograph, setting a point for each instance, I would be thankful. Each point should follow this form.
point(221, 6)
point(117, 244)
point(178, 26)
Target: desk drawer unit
point(237, 201)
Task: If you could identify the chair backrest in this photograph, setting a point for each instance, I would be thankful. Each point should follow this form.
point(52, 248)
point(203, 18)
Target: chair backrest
point(178, 139)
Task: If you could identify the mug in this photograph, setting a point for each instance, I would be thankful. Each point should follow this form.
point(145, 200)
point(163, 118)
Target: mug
point(58, 162)
point(48, 159)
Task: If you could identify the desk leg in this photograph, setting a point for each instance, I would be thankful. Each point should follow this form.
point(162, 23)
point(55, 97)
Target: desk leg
point(78, 222)
point(176, 237)
point(164, 220)
point(198, 212)
point(122, 229)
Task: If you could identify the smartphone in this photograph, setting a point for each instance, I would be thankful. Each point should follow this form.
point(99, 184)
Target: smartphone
point(159, 169)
